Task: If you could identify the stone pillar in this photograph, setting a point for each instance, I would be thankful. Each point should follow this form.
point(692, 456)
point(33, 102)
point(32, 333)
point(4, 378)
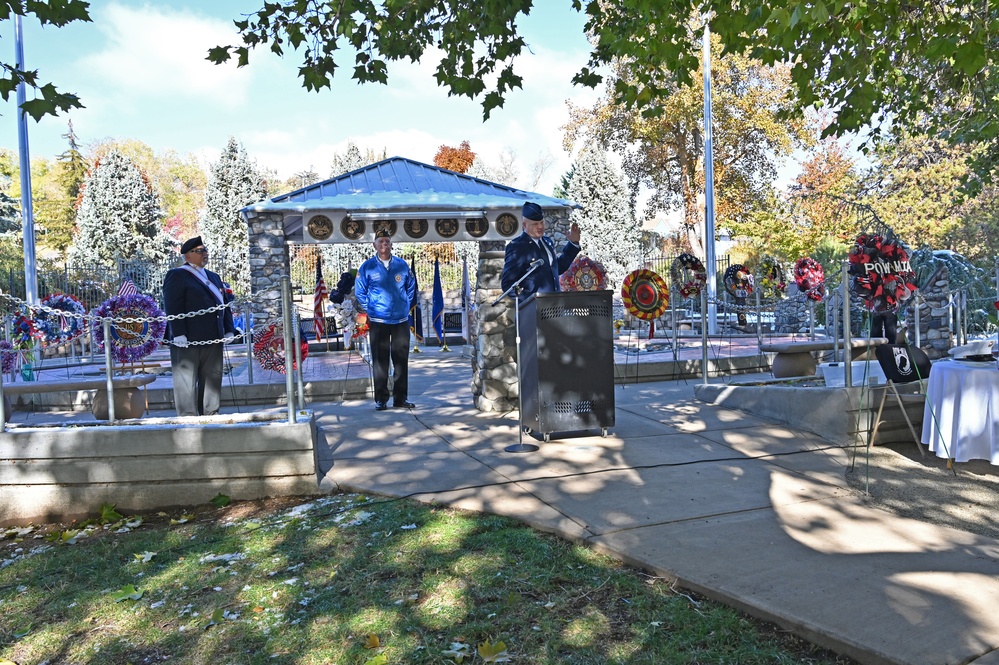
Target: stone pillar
point(269, 262)
point(934, 323)
point(494, 359)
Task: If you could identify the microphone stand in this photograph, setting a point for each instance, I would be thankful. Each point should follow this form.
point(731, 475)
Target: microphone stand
point(520, 446)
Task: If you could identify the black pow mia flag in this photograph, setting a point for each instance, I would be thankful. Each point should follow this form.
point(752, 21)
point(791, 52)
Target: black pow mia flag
point(902, 363)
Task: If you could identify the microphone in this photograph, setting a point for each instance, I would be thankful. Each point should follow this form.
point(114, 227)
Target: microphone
point(536, 262)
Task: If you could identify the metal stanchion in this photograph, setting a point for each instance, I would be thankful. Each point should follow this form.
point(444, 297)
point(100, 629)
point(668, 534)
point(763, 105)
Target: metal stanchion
point(847, 360)
point(248, 338)
point(108, 367)
point(298, 361)
point(289, 379)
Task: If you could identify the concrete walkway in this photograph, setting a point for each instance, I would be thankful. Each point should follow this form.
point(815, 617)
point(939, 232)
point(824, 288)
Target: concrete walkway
point(752, 514)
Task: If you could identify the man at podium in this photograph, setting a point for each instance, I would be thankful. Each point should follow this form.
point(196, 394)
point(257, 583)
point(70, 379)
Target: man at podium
point(533, 245)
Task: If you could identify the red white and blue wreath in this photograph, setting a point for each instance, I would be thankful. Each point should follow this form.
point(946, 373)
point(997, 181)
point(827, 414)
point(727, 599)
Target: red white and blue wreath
point(688, 275)
point(67, 324)
point(880, 273)
point(268, 347)
point(738, 281)
point(810, 277)
point(130, 342)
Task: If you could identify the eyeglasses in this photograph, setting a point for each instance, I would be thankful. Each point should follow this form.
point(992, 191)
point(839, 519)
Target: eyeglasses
point(200, 250)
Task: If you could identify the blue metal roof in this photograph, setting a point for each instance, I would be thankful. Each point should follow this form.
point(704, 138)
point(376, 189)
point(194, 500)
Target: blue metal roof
point(399, 185)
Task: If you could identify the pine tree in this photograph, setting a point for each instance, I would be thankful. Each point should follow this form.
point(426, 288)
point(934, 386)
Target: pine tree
point(119, 215)
point(607, 225)
point(233, 183)
point(59, 216)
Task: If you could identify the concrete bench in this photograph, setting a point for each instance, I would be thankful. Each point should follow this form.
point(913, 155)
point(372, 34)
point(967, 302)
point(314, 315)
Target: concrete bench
point(128, 402)
point(796, 359)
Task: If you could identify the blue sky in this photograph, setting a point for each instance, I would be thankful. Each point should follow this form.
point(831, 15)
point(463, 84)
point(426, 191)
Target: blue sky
point(141, 73)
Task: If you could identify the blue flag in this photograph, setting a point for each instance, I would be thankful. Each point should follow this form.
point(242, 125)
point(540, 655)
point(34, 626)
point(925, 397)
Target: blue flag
point(438, 303)
point(415, 311)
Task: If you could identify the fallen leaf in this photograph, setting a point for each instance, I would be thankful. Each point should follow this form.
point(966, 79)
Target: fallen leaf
point(372, 642)
point(493, 653)
point(127, 592)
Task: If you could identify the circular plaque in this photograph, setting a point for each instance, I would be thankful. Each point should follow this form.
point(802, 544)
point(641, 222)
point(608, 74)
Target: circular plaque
point(352, 229)
point(476, 227)
point(446, 228)
point(320, 227)
point(506, 224)
point(416, 228)
point(386, 224)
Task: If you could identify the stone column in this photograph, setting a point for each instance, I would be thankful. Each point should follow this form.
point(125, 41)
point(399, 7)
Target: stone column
point(494, 360)
point(934, 325)
point(269, 262)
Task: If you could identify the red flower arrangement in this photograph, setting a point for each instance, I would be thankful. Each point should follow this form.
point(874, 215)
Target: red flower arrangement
point(881, 275)
point(688, 275)
point(810, 278)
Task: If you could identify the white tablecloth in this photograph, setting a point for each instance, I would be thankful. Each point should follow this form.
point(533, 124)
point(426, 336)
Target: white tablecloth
point(961, 418)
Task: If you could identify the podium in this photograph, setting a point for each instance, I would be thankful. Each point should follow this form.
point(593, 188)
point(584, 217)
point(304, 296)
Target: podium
point(567, 362)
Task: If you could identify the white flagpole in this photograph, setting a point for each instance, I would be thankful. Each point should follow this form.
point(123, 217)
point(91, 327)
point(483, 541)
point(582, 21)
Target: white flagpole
point(27, 215)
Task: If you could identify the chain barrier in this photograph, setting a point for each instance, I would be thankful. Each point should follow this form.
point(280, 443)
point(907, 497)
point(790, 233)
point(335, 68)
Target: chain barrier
point(120, 323)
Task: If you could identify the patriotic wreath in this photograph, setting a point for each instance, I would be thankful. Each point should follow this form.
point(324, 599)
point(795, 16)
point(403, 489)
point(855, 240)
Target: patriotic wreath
point(58, 328)
point(645, 294)
point(771, 279)
point(268, 347)
point(880, 273)
point(584, 274)
point(130, 341)
point(738, 281)
point(8, 357)
point(24, 332)
point(810, 278)
point(688, 272)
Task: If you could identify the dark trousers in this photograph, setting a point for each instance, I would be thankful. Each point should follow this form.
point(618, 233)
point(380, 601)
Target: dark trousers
point(390, 340)
point(884, 324)
point(197, 379)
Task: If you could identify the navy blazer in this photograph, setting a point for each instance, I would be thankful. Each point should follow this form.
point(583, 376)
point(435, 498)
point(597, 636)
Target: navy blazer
point(183, 292)
point(521, 251)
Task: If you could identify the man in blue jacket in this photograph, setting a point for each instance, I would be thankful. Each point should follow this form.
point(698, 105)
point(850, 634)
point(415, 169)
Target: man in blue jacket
point(384, 289)
point(196, 368)
point(533, 245)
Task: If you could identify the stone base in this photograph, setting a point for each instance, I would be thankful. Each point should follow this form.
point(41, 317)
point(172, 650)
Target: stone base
point(128, 403)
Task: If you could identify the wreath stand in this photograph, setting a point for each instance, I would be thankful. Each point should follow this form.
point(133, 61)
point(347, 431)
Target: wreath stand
point(514, 290)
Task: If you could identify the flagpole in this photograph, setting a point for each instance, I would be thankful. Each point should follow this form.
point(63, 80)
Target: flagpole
point(27, 215)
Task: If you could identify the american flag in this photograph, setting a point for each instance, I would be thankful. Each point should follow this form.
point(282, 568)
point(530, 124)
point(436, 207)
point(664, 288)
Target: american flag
point(128, 288)
point(317, 302)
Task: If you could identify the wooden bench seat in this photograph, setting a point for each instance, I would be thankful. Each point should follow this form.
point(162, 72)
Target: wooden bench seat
point(128, 402)
point(796, 359)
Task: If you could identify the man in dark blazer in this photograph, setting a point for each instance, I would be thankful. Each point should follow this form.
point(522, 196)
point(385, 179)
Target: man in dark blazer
point(533, 245)
point(196, 368)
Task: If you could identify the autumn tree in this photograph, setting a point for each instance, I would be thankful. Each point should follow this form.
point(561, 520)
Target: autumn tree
point(755, 124)
point(458, 159)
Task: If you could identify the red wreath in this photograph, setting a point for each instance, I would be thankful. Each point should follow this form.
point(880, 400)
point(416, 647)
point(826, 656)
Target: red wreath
point(881, 275)
point(268, 347)
point(645, 296)
point(810, 278)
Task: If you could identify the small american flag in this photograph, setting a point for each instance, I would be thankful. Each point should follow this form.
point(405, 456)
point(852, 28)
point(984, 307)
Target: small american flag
point(128, 288)
point(317, 302)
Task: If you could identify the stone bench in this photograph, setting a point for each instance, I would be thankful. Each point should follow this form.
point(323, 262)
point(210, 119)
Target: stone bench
point(128, 402)
point(796, 359)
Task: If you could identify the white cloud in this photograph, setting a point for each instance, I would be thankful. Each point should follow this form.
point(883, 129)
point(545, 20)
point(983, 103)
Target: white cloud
point(153, 53)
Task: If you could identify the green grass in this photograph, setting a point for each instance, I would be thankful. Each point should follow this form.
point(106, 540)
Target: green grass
point(350, 579)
